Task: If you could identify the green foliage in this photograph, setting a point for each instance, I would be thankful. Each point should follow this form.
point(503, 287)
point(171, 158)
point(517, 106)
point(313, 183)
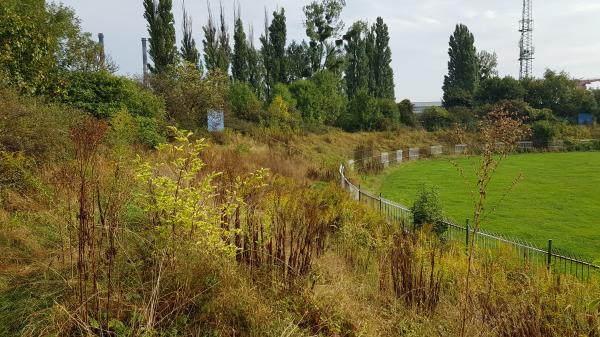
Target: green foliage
point(217, 52)
point(323, 26)
point(488, 62)
point(427, 210)
point(357, 69)
point(390, 113)
point(15, 174)
point(461, 81)
point(45, 39)
point(407, 115)
point(463, 116)
point(558, 92)
point(161, 28)
point(273, 50)
point(189, 94)
point(381, 83)
point(495, 89)
point(543, 132)
point(280, 115)
point(284, 92)
point(298, 61)
point(363, 113)
point(104, 94)
point(435, 118)
point(41, 131)
point(189, 52)
point(319, 99)
point(244, 103)
point(239, 63)
point(181, 201)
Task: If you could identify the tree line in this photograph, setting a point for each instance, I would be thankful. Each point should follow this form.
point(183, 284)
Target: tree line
point(472, 88)
point(336, 76)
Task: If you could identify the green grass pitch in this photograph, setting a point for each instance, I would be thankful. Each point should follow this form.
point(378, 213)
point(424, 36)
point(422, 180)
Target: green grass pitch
point(557, 198)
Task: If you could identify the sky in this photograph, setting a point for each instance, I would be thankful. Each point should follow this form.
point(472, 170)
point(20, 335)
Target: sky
point(566, 33)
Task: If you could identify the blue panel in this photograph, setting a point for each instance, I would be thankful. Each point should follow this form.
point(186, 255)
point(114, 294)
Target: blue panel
point(585, 119)
point(216, 121)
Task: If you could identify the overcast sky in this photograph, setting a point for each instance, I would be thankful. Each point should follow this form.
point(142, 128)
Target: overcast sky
point(566, 35)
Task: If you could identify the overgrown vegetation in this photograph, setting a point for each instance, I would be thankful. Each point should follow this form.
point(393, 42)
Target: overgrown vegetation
point(115, 224)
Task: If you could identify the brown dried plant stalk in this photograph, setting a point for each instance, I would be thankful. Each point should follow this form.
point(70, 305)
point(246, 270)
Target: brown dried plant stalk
point(500, 132)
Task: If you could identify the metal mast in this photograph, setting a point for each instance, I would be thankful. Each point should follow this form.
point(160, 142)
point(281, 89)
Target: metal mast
point(526, 44)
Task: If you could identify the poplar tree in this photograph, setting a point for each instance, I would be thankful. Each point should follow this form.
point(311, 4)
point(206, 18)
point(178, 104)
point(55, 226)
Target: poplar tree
point(273, 49)
point(161, 28)
point(210, 43)
point(224, 49)
point(256, 70)
point(189, 52)
point(240, 58)
point(463, 68)
point(382, 81)
point(357, 65)
point(217, 52)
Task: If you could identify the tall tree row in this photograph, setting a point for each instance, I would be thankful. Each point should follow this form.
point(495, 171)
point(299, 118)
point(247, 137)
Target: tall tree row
point(161, 28)
point(369, 58)
point(217, 51)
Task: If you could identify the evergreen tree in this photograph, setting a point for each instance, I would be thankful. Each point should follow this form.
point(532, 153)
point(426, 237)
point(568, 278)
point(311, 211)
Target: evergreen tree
point(239, 64)
point(380, 63)
point(210, 42)
point(463, 67)
point(357, 68)
point(189, 52)
point(161, 28)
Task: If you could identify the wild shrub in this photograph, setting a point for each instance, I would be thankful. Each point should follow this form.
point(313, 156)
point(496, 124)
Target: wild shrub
point(415, 279)
point(244, 103)
point(41, 131)
point(427, 210)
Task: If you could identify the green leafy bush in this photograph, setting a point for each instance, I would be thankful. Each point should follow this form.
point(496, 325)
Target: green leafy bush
point(41, 131)
point(435, 118)
point(407, 115)
point(244, 103)
point(427, 210)
point(104, 94)
point(543, 132)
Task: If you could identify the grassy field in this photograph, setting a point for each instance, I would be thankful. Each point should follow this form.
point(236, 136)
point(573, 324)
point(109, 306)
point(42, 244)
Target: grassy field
point(558, 197)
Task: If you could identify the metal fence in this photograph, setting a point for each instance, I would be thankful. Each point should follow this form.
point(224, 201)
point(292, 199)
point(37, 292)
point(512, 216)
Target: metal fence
point(549, 257)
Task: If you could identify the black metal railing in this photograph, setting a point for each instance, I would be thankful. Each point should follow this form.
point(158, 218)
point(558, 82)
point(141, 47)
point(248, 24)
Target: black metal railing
point(555, 260)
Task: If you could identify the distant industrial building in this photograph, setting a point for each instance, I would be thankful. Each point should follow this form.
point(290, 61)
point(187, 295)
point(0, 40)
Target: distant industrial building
point(422, 106)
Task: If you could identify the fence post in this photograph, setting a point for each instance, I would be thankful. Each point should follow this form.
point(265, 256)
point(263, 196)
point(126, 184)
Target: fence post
point(358, 193)
point(549, 253)
point(467, 238)
point(380, 203)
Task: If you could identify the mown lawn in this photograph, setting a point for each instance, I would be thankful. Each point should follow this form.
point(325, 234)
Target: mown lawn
point(557, 198)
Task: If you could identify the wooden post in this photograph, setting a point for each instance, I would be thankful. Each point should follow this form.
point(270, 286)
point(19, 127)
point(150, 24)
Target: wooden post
point(467, 238)
point(549, 253)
